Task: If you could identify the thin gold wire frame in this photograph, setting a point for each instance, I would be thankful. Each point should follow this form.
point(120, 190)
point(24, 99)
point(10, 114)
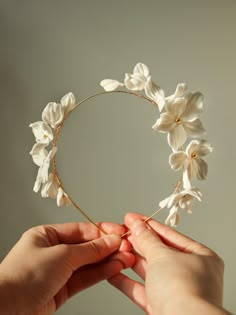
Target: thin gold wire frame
point(54, 162)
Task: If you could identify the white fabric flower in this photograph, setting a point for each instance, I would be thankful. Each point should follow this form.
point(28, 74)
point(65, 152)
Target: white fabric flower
point(42, 132)
point(111, 85)
point(42, 175)
point(53, 114)
point(191, 160)
point(38, 153)
point(173, 217)
point(154, 92)
point(180, 119)
point(50, 187)
point(68, 102)
point(62, 198)
point(184, 200)
point(136, 81)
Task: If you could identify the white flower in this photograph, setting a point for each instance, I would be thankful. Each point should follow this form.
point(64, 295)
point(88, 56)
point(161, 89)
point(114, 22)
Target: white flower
point(191, 160)
point(38, 153)
point(184, 200)
point(173, 217)
point(42, 175)
point(154, 92)
point(53, 114)
point(68, 102)
point(62, 198)
point(136, 81)
point(42, 132)
point(179, 92)
point(157, 94)
point(180, 119)
point(111, 85)
point(50, 187)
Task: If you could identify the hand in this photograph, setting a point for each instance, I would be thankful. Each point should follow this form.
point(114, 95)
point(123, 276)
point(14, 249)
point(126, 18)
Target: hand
point(51, 263)
point(181, 276)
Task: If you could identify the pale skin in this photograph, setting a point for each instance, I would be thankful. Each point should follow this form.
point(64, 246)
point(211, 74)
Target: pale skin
point(49, 264)
point(181, 276)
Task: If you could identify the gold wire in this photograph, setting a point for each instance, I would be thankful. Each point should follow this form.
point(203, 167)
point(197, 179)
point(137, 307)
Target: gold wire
point(55, 172)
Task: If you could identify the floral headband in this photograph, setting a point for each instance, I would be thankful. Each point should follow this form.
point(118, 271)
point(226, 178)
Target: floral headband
point(179, 119)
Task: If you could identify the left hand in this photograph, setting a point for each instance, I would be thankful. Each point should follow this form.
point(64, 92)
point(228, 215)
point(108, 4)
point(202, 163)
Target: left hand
point(51, 263)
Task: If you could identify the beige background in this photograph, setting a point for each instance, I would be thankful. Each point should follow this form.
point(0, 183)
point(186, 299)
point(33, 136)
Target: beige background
point(109, 157)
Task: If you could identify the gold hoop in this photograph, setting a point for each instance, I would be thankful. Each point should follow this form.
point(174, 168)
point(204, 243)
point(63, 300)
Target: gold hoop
point(54, 163)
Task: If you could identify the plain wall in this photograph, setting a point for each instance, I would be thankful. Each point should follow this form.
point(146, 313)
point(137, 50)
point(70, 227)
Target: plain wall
point(109, 157)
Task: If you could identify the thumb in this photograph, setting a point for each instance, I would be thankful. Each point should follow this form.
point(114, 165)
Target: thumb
point(94, 251)
point(145, 240)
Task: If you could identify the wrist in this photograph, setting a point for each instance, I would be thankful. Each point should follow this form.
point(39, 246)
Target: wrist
point(8, 303)
point(12, 299)
point(193, 305)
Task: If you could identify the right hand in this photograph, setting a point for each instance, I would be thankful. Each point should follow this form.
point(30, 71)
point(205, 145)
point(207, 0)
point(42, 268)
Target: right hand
point(180, 274)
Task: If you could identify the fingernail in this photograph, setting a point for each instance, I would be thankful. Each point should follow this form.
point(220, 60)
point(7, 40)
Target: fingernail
point(112, 240)
point(138, 227)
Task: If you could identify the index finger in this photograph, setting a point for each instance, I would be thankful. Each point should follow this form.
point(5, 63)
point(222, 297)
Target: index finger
point(79, 232)
point(169, 236)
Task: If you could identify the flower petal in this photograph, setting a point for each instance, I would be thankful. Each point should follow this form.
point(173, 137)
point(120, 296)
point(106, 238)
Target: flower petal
point(39, 153)
point(164, 202)
point(177, 137)
point(42, 132)
point(53, 114)
point(202, 169)
point(110, 85)
point(165, 123)
point(180, 90)
point(194, 106)
point(154, 92)
point(192, 147)
point(142, 70)
point(134, 82)
point(177, 160)
point(42, 176)
point(176, 107)
point(51, 154)
point(204, 148)
point(50, 188)
point(194, 128)
point(62, 198)
point(68, 102)
point(173, 217)
point(186, 180)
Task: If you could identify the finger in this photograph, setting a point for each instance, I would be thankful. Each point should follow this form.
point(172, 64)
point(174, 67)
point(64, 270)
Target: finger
point(92, 274)
point(146, 241)
point(131, 288)
point(140, 266)
point(72, 233)
point(125, 246)
point(92, 251)
point(170, 236)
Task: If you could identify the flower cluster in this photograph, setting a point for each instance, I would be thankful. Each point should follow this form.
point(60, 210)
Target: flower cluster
point(179, 119)
point(44, 131)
